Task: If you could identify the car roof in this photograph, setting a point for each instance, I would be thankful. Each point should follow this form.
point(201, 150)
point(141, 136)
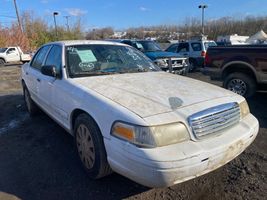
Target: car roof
point(84, 42)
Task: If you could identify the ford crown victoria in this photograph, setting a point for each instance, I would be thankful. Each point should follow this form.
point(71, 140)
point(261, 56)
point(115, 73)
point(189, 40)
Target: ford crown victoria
point(128, 116)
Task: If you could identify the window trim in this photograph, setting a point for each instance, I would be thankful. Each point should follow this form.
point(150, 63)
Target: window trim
point(184, 43)
point(37, 54)
point(61, 71)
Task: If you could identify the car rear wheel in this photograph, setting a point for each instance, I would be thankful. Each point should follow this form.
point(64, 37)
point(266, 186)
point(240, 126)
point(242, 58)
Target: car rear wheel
point(90, 147)
point(2, 62)
point(30, 105)
point(241, 84)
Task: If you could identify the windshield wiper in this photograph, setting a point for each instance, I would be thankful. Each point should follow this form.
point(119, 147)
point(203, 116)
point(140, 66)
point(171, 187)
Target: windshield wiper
point(99, 73)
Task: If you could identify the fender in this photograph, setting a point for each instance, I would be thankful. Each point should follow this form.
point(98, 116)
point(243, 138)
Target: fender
point(3, 58)
point(241, 63)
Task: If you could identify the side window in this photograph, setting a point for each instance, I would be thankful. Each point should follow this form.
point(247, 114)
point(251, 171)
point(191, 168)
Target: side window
point(196, 46)
point(183, 47)
point(172, 48)
point(11, 50)
point(39, 57)
point(138, 46)
point(55, 57)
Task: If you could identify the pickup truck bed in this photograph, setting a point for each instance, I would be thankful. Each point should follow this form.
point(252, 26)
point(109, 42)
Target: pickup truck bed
point(242, 68)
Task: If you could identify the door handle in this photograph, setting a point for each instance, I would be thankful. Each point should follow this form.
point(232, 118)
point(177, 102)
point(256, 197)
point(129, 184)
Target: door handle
point(39, 80)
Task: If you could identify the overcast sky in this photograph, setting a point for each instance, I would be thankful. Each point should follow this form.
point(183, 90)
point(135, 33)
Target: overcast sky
point(121, 14)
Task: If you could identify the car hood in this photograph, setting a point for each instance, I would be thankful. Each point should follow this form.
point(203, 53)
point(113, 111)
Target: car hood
point(152, 93)
point(161, 54)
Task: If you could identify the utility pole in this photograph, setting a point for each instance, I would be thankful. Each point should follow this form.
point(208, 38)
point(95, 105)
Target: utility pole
point(18, 18)
point(67, 22)
point(203, 6)
point(54, 14)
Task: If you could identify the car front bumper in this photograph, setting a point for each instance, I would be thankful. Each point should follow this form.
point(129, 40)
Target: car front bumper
point(172, 164)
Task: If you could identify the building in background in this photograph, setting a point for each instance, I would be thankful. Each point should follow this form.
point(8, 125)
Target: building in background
point(258, 38)
point(232, 39)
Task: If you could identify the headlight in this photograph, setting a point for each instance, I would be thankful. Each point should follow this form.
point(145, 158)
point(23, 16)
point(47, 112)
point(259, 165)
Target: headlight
point(244, 109)
point(155, 136)
point(161, 63)
point(186, 62)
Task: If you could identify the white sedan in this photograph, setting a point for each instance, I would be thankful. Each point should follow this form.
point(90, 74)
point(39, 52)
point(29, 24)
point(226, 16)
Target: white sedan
point(128, 116)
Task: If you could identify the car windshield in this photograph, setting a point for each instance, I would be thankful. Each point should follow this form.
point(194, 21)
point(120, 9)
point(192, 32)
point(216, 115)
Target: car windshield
point(2, 50)
point(209, 44)
point(148, 46)
point(93, 60)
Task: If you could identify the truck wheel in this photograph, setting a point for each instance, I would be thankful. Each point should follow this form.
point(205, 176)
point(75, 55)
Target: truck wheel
point(31, 106)
point(241, 84)
point(90, 147)
point(2, 62)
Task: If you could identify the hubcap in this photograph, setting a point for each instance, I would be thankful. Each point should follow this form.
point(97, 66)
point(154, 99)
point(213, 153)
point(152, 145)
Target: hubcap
point(85, 146)
point(238, 86)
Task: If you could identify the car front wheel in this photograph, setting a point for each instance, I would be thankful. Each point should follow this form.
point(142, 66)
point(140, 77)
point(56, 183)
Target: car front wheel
point(90, 147)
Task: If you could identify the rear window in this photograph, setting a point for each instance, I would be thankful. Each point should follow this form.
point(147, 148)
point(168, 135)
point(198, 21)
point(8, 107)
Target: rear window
point(209, 44)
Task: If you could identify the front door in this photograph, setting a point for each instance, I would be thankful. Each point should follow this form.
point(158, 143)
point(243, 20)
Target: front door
point(51, 91)
point(12, 55)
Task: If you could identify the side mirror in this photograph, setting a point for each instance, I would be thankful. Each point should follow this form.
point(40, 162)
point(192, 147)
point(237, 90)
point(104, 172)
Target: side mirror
point(49, 70)
point(141, 49)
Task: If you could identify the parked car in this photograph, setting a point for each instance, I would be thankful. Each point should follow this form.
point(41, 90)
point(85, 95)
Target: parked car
point(242, 68)
point(128, 116)
point(167, 61)
point(195, 50)
point(13, 54)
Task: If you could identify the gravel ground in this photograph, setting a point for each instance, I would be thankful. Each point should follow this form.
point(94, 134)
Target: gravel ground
point(38, 161)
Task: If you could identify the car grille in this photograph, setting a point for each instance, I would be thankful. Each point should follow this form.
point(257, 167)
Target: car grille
point(175, 62)
point(214, 120)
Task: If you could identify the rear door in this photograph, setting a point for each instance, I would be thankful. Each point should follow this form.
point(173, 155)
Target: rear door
point(33, 73)
point(196, 49)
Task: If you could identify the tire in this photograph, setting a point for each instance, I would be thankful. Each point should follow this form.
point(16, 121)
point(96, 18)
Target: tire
point(241, 84)
point(2, 62)
point(30, 105)
point(192, 65)
point(90, 147)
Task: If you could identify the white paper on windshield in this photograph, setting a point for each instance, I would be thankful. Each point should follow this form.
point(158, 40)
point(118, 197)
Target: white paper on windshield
point(86, 55)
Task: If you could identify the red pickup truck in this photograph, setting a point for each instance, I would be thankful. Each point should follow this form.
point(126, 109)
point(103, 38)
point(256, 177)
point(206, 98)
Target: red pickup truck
point(242, 68)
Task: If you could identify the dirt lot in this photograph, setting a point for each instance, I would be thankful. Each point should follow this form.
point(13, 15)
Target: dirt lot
point(37, 160)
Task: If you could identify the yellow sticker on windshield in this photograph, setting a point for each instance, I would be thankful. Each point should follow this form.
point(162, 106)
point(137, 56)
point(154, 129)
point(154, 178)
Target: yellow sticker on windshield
point(86, 55)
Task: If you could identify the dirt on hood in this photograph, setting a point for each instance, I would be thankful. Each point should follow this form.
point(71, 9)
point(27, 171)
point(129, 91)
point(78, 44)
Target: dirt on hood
point(152, 93)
